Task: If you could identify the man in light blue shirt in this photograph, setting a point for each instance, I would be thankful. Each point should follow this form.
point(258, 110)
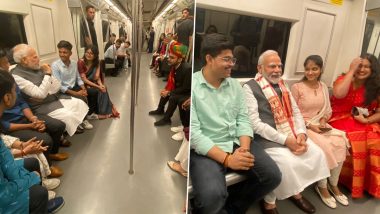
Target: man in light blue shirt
point(221, 136)
point(66, 71)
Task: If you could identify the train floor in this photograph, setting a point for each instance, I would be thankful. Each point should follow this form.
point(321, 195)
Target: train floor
point(96, 178)
point(368, 205)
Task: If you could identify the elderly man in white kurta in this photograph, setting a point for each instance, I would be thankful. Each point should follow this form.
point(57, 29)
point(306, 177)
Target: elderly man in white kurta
point(40, 89)
point(279, 127)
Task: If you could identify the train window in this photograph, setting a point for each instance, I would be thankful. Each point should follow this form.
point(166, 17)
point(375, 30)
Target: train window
point(250, 35)
point(371, 39)
point(12, 30)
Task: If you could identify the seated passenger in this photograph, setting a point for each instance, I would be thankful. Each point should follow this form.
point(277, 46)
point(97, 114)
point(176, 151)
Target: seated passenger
point(280, 129)
point(32, 149)
point(178, 87)
point(89, 70)
point(221, 137)
point(113, 55)
point(181, 160)
point(66, 71)
point(110, 42)
point(312, 98)
point(359, 87)
point(20, 191)
point(184, 114)
point(20, 121)
point(39, 89)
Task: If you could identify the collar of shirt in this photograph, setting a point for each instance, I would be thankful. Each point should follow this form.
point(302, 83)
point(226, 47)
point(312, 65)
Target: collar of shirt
point(203, 81)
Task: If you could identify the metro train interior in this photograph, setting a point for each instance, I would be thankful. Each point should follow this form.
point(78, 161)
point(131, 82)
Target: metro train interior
point(124, 163)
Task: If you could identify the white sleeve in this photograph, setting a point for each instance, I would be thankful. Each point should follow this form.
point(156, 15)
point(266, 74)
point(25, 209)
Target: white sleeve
point(39, 92)
point(8, 140)
point(259, 127)
point(299, 122)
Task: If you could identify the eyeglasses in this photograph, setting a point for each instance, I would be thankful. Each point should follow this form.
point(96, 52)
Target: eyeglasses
point(226, 59)
point(89, 53)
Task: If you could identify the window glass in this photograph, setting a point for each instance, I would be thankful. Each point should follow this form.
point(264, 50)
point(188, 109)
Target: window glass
point(251, 36)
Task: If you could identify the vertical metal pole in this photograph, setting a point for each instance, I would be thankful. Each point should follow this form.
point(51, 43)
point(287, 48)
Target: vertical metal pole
point(133, 80)
point(140, 31)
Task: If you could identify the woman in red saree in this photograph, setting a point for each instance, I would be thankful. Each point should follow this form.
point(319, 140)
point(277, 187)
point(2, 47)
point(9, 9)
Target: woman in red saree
point(359, 87)
point(89, 71)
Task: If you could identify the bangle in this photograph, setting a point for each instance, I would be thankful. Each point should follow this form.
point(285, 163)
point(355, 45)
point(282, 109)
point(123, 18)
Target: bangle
point(225, 161)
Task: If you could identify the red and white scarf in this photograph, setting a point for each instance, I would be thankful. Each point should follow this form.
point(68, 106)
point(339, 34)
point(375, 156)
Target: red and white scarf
point(281, 109)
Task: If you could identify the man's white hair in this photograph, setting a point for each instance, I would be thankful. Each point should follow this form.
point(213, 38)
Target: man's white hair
point(20, 51)
point(265, 54)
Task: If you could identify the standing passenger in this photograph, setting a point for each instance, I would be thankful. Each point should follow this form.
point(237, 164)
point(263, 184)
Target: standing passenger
point(90, 38)
point(221, 137)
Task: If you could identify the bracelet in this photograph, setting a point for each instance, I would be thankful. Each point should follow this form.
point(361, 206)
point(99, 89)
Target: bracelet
point(225, 161)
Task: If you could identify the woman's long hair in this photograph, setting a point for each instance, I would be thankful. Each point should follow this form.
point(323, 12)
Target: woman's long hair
point(95, 51)
point(372, 84)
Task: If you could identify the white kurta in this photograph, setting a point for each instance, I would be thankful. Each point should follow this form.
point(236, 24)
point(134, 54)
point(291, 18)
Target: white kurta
point(183, 154)
point(298, 171)
point(74, 110)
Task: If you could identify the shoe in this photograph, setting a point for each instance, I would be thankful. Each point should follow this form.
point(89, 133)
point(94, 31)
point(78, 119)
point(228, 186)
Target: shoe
point(87, 125)
point(156, 112)
point(178, 136)
point(267, 211)
point(55, 204)
point(171, 165)
point(92, 116)
point(59, 156)
point(330, 201)
point(51, 183)
point(79, 130)
point(51, 195)
point(176, 129)
point(303, 204)
point(163, 122)
point(55, 172)
point(65, 143)
point(342, 199)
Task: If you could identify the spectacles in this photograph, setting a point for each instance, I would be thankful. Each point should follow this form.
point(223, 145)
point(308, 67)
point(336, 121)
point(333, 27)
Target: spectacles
point(89, 53)
point(232, 60)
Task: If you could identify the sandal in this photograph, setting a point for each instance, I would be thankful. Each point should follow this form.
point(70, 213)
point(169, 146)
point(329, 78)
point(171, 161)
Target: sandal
point(172, 164)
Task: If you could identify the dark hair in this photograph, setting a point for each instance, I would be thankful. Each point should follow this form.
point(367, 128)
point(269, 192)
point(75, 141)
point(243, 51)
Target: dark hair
point(65, 44)
point(3, 53)
point(211, 29)
point(317, 60)
point(128, 42)
point(6, 83)
point(214, 43)
point(95, 51)
point(372, 84)
point(118, 41)
point(113, 35)
point(88, 7)
point(186, 8)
